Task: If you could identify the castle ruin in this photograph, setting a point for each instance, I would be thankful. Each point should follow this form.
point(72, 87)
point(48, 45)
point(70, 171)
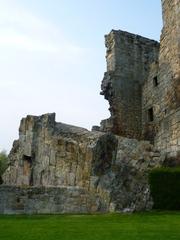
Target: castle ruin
point(142, 84)
point(58, 168)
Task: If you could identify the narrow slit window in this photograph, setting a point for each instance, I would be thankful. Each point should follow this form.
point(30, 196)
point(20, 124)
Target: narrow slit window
point(27, 164)
point(150, 115)
point(155, 81)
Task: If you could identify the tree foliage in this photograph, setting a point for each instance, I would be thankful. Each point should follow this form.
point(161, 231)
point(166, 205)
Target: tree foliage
point(3, 163)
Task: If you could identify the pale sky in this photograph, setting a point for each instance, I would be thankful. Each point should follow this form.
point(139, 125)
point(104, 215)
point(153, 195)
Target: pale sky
point(52, 57)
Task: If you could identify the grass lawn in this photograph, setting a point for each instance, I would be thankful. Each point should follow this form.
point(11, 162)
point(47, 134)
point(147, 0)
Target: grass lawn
point(143, 226)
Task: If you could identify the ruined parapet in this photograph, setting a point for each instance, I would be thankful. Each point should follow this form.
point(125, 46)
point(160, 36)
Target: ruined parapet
point(50, 154)
point(129, 58)
point(99, 171)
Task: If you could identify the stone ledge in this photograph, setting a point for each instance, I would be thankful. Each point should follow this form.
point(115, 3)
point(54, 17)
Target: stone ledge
point(47, 200)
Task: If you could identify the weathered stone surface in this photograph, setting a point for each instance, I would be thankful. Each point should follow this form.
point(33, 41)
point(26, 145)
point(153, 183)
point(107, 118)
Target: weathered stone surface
point(163, 98)
point(125, 176)
point(168, 133)
point(129, 58)
point(50, 154)
point(142, 84)
point(38, 200)
point(111, 171)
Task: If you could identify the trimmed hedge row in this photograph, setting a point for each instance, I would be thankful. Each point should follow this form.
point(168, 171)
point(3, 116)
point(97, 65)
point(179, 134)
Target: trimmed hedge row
point(165, 188)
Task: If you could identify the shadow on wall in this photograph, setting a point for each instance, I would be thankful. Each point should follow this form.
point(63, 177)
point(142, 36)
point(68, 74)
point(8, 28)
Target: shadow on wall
point(163, 118)
point(176, 94)
point(172, 161)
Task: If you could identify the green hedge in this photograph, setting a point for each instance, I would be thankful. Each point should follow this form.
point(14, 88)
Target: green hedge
point(165, 188)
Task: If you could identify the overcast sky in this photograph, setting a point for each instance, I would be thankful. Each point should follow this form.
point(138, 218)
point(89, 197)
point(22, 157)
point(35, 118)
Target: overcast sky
point(52, 57)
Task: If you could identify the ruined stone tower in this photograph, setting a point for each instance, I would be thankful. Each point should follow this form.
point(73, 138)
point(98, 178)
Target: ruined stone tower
point(168, 111)
point(142, 84)
point(57, 168)
point(129, 59)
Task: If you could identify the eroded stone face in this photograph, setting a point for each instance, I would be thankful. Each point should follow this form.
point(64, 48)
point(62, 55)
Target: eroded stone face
point(129, 58)
point(50, 154)
point(142, 84)
point(44, 200)
point(111, 170)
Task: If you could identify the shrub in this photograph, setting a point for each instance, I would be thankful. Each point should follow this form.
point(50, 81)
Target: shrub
point(165, 188)
point(3, 164)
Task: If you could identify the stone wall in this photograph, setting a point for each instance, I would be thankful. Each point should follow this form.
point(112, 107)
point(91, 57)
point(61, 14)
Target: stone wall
point(50, 154)
point(109, 170)
point(142, 84)
point(162, 95)
point(43, 200)
point(168, 137)
point(150, 103)
point(129, 58)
